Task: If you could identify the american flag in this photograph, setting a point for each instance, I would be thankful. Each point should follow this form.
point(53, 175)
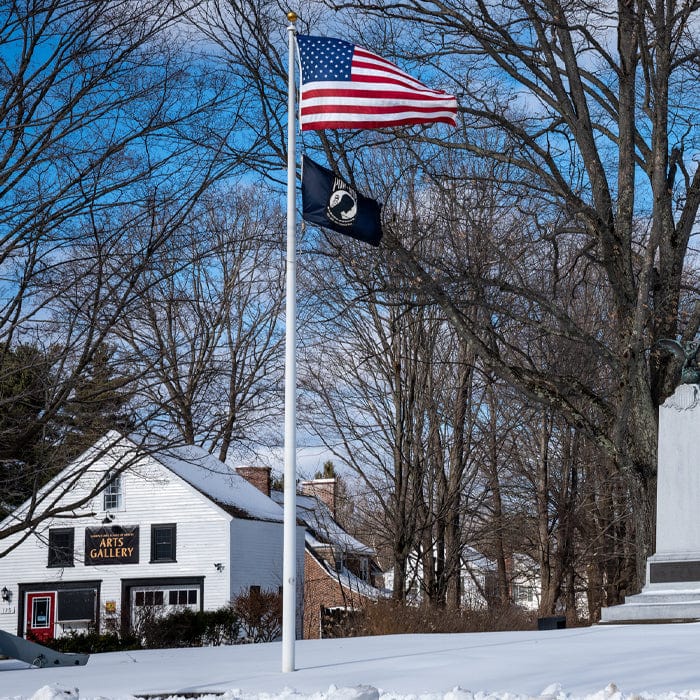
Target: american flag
point(344, 86)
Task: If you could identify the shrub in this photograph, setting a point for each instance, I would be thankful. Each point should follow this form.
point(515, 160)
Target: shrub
point(260, 613)
point(188, 628)
point(254, 617)
point(388, 616)
point(91, 642)
point(181, 628)
point(223, 627)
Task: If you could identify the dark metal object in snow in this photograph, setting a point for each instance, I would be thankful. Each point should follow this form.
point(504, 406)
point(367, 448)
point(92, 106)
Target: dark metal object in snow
point(37, 654)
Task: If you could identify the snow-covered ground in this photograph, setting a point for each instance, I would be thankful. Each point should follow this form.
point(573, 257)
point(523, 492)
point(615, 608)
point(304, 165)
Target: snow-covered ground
point(599, 663)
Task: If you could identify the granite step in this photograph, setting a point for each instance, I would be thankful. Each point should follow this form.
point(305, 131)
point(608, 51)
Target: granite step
point(671, 609)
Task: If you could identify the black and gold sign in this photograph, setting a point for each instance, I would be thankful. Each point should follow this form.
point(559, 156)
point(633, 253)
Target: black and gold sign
point(118, 544)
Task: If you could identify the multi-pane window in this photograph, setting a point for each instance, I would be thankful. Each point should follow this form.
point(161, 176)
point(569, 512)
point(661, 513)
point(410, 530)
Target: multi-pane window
point(364, 568)
point(175, 596)
point(61, 541)
point(113, 493)
point(183, 597)
point(148, 598)
point(163, 542)
point(340, 561)
point(522, 593)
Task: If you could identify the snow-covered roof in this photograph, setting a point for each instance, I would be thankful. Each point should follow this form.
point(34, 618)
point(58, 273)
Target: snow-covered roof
point(352, 582)
point(475, 559)
point(322, 527)
point(216, 480)
point(219, 482)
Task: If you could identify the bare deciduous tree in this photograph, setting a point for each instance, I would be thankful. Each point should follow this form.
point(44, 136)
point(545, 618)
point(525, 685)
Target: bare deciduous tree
point(206, 330)
point(112, 125)
point(582, 108)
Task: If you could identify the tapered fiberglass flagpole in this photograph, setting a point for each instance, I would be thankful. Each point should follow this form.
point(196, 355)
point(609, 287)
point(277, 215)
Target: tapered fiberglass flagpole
point(289, 568)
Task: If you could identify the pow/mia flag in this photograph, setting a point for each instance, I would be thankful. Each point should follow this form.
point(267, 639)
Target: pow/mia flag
point(329, 201)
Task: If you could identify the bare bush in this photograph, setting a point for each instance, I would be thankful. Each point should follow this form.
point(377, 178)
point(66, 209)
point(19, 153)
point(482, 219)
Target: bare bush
point(260, 614)
point(388, 616)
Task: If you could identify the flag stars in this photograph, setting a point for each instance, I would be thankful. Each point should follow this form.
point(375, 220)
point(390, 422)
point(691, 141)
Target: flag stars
point(324, 58)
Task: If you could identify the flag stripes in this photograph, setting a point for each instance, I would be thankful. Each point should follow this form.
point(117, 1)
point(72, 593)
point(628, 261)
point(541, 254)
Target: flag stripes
point(345, 86)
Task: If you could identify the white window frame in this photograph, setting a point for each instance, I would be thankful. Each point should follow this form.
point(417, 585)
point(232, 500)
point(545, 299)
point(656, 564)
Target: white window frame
point(113, 491)
point(364, 568)
point(165, 607)
point(523, 593)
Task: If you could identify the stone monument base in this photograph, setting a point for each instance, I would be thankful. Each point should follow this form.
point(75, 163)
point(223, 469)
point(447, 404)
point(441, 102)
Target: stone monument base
point(672, 592)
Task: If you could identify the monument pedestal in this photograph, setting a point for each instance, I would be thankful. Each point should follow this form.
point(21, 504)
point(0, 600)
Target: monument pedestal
point(672, 590)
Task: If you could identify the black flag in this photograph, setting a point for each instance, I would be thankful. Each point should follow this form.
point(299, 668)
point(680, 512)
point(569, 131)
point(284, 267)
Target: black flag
point(329, 201)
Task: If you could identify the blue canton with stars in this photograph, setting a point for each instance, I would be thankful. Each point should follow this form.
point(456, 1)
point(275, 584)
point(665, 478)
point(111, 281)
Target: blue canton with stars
point(324, 59)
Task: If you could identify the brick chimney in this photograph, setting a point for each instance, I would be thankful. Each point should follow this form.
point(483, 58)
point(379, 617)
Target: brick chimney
point(323, 489)
point(258, 476)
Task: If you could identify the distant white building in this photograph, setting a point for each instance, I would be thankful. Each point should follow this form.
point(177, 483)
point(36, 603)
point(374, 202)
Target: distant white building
point(524, 579)
point(478, 581)
point(175, 528)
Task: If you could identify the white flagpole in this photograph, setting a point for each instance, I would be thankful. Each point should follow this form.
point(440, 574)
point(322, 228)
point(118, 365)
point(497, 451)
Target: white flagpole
point(289, 572)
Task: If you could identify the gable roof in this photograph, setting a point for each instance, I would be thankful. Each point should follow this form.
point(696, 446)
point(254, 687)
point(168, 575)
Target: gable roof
point(194, 465)
point(321, 527)
point(471, 558)
point(219, 483)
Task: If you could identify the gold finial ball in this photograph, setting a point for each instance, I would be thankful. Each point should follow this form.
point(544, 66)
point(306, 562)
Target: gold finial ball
point(292, 16)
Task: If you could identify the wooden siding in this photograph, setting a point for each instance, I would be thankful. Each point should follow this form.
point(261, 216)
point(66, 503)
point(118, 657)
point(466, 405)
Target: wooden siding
point(256, 559)
point(152, 495)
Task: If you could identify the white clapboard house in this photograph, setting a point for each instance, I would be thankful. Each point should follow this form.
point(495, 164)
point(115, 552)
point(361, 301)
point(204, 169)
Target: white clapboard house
point(478, 580)
point(168, 528)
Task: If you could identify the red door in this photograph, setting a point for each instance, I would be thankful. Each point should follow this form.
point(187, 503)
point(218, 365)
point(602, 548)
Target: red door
point(41, 614)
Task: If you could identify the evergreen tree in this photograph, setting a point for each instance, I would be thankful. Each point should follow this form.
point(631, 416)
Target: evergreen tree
point(36, 439)
point(98, 404)
point(25, 375)
point(328, 471)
